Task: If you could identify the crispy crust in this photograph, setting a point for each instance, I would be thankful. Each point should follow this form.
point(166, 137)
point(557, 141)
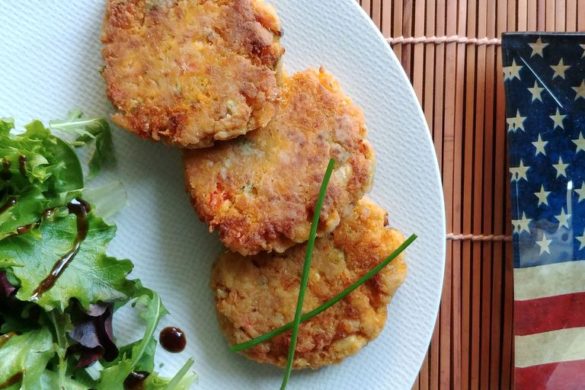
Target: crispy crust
point(259, 191)
point(255, 295)
point(190, 72)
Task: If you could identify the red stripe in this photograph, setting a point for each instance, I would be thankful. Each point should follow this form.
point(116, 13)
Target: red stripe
point(550, 313)
point(557, 376)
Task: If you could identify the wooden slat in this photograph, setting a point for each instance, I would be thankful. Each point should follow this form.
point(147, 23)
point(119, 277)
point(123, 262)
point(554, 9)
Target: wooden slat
point(367, 6)
point(522, 14)
point(580, 16)
point(407, 31)
point(478, 205)
point(457, 195)
point(439, 84)
point(452, 209)
point(488, 195)
point(541, 15)
point(550, 15)
point(431, 376)
point(429, 91)
point(571, 15)
point(468, 194)
point(532, 15)
point(471, 262)
point(418, 63)
point(386, 18)
point(498, 207)
point(397, 24)
point(560, 14)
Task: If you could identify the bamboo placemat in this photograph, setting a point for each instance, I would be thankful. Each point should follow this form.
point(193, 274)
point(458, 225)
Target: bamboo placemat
point(450, 51)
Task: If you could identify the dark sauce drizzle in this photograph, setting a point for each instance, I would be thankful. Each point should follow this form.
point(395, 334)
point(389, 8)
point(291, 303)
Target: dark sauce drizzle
point(27, 228)
point(16, 378)
point(80, 208)
point(22, 165)
point(173, 339)
point(135, 380)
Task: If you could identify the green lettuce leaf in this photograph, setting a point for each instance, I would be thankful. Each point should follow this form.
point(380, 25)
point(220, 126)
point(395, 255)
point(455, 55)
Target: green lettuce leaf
point(107, 200)
point(23, 358)
point(38, 171)
point(91, 276)
point(94, 131)
point(50, 381)
point(139, 355)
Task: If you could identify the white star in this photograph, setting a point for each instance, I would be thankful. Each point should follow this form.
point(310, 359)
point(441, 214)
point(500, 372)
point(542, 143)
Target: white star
point(519, 172)
point(583, 54)
point(581, 192)
point(580, 142)
point(542, 196)
point(560, 69)
point(537, 47)
point(536, 91)
point(516, 122)
point(539, 145)
point(580, 90)
point(558, 120)
point(561, 168)
point(522, 224)
point(563, 219)
point(581, 241)
point(544, 244)
point(512, 71)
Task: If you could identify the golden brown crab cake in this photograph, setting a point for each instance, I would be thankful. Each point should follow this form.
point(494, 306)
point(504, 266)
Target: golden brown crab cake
point(257, 294)
point(191, 72)
point(259, 191)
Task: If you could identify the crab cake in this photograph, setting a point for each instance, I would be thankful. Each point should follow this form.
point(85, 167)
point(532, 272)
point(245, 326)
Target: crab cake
point(259, 191)
point(258, 294)
point(190, 72)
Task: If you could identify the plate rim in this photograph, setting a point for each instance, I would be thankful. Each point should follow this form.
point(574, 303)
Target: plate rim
point(437, 172)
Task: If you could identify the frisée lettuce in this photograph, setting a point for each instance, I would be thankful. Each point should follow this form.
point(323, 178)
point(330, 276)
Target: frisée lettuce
point(59, 290)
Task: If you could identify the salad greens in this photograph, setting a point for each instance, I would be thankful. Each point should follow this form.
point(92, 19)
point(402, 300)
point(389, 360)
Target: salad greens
point(59, 290)
point(94, 131)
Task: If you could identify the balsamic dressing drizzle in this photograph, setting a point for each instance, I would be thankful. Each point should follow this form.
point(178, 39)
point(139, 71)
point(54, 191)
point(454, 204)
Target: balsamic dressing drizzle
point(173, 339)
point(80, 208)
point(22, 165)
point(16, 378)
point(27, 228)
point(135, 380)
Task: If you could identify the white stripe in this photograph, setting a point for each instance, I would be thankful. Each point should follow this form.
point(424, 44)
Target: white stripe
point(549, 280)
point(550, 347)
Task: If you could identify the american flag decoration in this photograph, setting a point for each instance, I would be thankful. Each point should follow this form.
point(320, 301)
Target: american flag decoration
point(544, 76)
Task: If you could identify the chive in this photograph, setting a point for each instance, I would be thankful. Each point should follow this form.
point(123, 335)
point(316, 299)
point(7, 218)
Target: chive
point(175, 383)
point(315, 312)
point(305, 274)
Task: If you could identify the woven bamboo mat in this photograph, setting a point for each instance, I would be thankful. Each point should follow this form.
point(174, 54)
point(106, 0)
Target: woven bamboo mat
point(458, 80)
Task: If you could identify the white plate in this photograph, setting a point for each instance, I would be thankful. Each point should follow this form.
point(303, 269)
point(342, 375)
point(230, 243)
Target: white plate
point(49, 63)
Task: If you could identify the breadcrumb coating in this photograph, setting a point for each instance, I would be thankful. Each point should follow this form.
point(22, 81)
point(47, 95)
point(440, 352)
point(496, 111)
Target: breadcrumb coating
point(190, 72)
point(259, 191)
point(256, 294)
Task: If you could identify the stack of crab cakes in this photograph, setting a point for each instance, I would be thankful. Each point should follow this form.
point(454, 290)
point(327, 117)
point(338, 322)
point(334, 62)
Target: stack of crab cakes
point(192, 73)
